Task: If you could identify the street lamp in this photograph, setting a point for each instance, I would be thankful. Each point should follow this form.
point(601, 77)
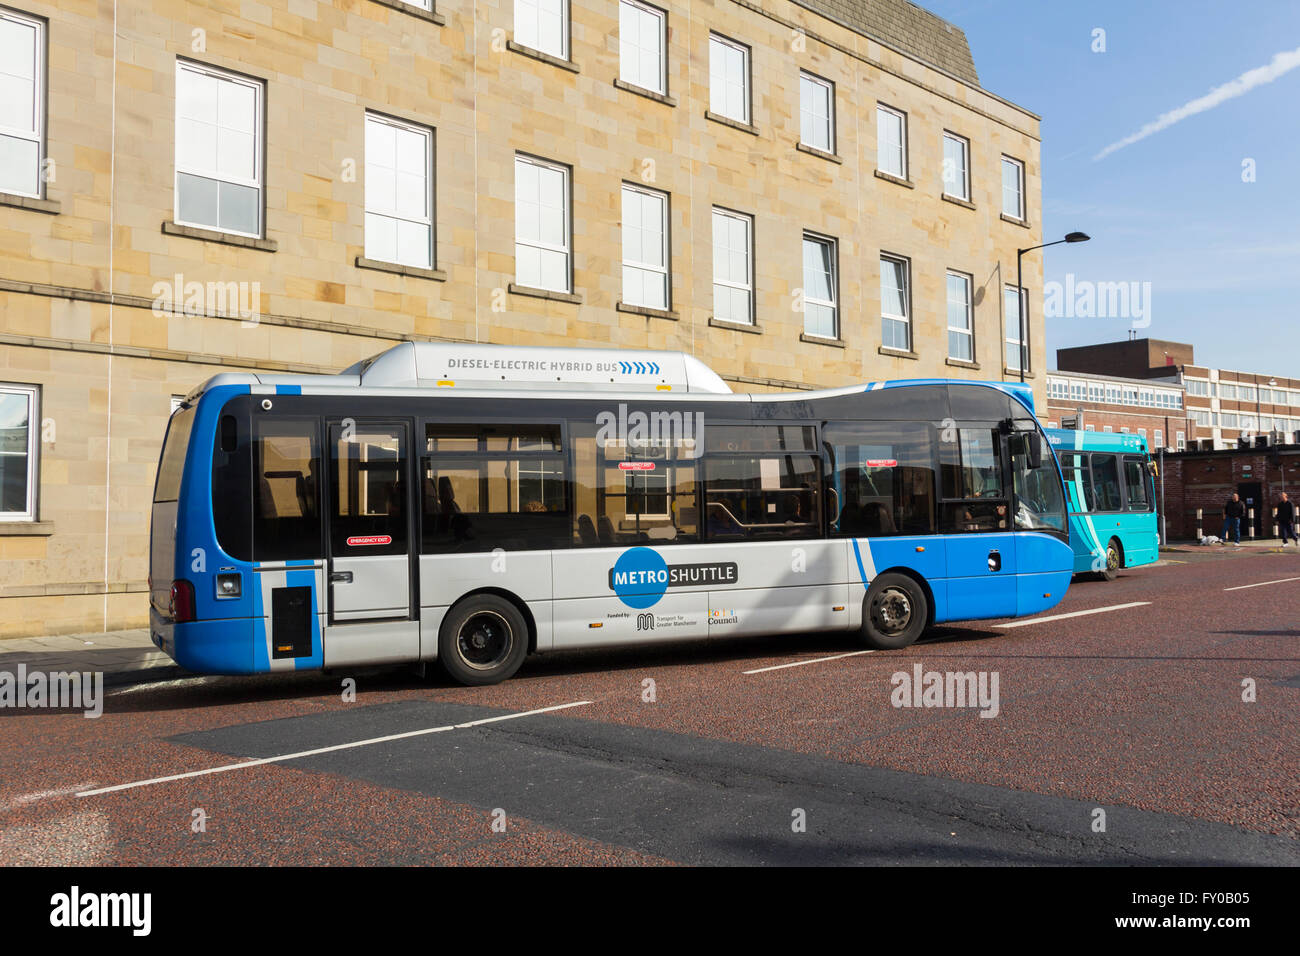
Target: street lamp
point(1020, 288)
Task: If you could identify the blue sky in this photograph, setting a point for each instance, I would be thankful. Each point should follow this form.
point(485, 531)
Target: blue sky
point(1222, 255)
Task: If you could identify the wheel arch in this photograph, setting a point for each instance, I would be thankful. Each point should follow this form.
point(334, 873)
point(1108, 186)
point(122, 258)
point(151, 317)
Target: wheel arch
point(920, 581)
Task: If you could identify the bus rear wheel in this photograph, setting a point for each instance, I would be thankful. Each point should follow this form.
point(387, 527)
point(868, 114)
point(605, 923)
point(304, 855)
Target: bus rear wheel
point(483, 640)
point(1114, 559)
point(894, 612)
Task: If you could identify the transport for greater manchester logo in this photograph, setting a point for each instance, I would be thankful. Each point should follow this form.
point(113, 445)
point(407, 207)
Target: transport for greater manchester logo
point(640, 576)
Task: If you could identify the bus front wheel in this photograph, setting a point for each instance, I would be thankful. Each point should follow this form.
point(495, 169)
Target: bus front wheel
point(1114, 558)
point(894, 612)
point(483, 640)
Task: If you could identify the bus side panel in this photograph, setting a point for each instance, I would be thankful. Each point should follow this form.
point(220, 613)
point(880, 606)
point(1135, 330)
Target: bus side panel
point(278, 645)
point(1089, 552)
point(924, 555)
point(446, 578)
point(782, 587)
point(589, 613)
point(1047, 564)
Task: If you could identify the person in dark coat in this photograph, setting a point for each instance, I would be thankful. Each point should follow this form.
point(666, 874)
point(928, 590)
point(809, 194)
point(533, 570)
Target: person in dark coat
point(1233, 511)
point(1286, 520)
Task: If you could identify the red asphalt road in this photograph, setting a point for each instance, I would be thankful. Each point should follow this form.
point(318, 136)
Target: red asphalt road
point(1139, 707)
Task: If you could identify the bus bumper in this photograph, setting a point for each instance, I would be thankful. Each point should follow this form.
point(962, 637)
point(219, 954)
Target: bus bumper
point(206, 647)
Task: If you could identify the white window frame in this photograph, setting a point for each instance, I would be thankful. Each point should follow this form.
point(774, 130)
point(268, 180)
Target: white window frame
point(813, 79)
point(33, 395)
point(1090, 428)
point(567, 232)
point(969, 332)
point(427, 217)
point(1180, 441)
point(1022, 354)
point(902, 146)
point(1019, 214)
point(660, 84)
point(664, 271)
point(530, 36)
point(747, 98)
point(259, 149)
point(39, 79)
point(833, 302)
point(630, 478)
point(949, 136)
point(906, 297)
point(748, 285)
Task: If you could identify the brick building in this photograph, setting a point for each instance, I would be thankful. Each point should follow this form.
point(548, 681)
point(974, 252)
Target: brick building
point(1207, 479)
point(1227, 408)
point(801, 193)
point(1152, 409)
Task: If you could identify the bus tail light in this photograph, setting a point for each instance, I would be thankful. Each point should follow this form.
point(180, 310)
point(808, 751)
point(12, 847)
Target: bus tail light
point(182, 606)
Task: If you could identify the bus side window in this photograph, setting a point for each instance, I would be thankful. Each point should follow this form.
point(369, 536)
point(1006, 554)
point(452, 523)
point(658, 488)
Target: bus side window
point(286, 490)
point(1105, 482)
point(881, 478)
point(974, 486)
point(493, 486)
point(1135, 484)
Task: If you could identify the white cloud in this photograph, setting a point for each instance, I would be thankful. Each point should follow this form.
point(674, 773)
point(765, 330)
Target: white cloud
point(1281, 63)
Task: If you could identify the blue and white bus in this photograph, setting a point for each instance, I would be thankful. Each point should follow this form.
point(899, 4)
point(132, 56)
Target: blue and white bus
point(473, 504)
point(1108, 483)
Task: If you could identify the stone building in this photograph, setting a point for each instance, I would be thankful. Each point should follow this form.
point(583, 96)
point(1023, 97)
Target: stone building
point(801, 193)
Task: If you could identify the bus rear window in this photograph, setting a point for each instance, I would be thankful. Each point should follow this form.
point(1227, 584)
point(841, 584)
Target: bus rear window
point(172, 464)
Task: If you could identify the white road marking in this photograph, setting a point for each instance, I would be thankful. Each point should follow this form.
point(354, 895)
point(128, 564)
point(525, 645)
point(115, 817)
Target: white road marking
point(1242, 587)
point(815, 660)
point(1062, 617)
point(26, 798)
point(324, 750)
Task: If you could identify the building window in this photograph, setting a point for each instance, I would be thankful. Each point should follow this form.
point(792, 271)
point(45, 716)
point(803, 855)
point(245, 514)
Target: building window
point(18, 431)
point(729, 78)
point(1090, 428)
point(1078, 391)
point(218, 150)
point(1142, 433)
point(1180, 441)
point(1095, 393)
point(1013, 188)
point(542, 231)
point(645, 248)
point(642, 31)
point(820, 312)
point(891, 141)
point(956, 171)
point(1199, 387)
point(961, 333)
point(1229, 420)
point(817, 112)
point(1107, 428)
point(543, 25)
point(399, 192)
point(1013, 317)
point(895, 304)
point(22, 103)
point(1227, 390)
point(733, 267)
point(1159, 441)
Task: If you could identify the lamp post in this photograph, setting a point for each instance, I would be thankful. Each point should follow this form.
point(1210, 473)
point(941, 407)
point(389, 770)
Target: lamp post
point(1021, 304)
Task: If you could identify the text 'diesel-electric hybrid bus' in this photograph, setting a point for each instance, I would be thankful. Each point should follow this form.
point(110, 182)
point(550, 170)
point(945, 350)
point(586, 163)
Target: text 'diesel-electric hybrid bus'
point(472, 504)
point(1111, 497)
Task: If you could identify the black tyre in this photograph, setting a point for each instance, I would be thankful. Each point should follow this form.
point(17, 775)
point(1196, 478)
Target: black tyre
point(483, 640)
point(1114, 558)
point(894, 612)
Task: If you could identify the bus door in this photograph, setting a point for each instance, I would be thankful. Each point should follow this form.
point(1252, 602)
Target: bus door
point(369, 564)
point(981, 548)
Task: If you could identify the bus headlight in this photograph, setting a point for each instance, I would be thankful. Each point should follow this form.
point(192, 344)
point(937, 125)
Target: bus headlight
point(228, 586)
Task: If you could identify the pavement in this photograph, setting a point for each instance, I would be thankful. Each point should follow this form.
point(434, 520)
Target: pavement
point(1152, 719)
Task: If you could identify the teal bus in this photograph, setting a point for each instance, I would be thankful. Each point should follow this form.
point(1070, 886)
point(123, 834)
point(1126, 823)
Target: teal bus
point(1112, 502)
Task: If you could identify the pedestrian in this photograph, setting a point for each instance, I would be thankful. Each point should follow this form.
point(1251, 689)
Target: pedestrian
point(1286, 520)
point(1233, 511)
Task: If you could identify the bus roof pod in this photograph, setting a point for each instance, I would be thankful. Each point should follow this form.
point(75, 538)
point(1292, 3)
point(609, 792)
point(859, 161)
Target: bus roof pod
point(453, 365)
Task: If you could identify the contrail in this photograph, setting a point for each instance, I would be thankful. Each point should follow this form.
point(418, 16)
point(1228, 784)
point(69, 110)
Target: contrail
point(1280, 64)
